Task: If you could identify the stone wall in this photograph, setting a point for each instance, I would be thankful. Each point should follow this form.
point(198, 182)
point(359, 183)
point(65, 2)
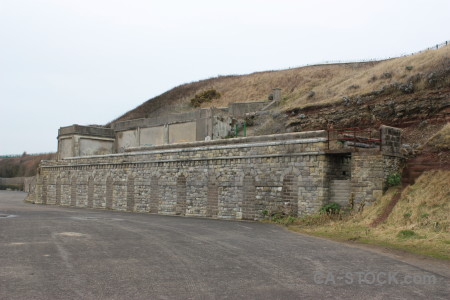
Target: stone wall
point(393, 165)
point(367, 178)
point(12, 181)
point(242, 178)
point(29, 184)
point(391, 139)
point(230, 179)
point(24, 183)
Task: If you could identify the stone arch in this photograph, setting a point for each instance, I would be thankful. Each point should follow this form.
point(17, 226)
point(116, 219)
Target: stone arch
point(289, 195)
point(130, 193)
point(249, 196)
point(154, 197)
point(212, 204)
point(109, 193)
point(44, 189)
point(90, 200)
point(58, 190)
point(180, 208)
point(73, 191)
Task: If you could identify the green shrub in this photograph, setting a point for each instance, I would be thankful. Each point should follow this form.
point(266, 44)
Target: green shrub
point(276, 217)
point(283, 219)
point(407, 215)
point(205, 96)
point(289, 220)
point(393, 179)
point(330, 208)
point(406, 234)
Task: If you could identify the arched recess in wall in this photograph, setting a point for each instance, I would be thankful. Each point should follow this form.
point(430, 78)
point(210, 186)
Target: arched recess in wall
point(289, 195)
point(44, 190)
point(58, 191)
point(212, 205)
point(154, 195)
point(130, 193)
point(73, 191)
point(249, 195)
point(109, 193)
point(90, 202)
point(180, 208)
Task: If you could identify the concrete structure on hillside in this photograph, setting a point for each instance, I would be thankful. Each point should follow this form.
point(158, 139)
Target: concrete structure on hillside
point(79, 140)
point(199, 125)
point(242, 178)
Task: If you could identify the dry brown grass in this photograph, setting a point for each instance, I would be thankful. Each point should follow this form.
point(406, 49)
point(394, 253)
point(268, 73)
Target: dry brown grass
point(424, 210)
point(329, 82)
point(371, 78)
point(441, 139)
point(430, 195)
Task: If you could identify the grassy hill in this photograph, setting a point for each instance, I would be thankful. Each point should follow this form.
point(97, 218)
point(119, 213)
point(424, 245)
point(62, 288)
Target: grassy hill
point(312, 86)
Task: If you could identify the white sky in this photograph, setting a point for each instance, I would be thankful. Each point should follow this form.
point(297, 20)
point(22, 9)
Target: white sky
point(66, 62)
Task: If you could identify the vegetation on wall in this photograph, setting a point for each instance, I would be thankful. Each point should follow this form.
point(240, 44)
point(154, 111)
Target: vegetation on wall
point(393, 180)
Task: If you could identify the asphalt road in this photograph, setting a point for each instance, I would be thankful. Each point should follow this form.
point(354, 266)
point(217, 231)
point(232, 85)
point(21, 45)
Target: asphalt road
point(50, 252)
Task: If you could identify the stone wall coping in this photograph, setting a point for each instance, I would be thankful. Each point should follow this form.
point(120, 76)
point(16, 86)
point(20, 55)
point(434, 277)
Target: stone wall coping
point(56, 164)
point(95, 138)
point(86, 130)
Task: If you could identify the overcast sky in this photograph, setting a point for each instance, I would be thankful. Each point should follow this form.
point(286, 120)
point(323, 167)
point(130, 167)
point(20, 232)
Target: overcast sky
point(66, 62)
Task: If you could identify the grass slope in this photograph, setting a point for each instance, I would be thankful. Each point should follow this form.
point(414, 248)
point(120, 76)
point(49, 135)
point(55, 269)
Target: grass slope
point(328, 82)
